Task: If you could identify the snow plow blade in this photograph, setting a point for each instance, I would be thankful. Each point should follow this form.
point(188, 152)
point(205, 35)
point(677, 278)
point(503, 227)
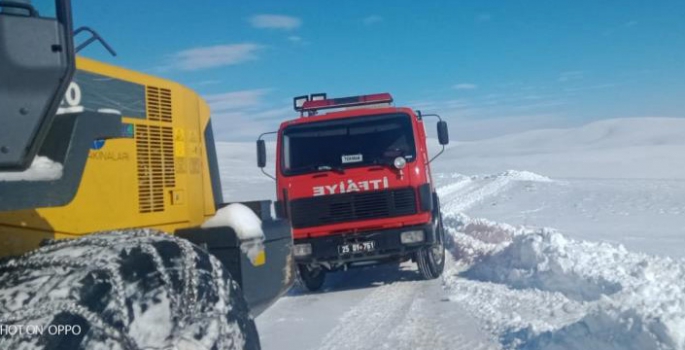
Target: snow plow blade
point(264, 280)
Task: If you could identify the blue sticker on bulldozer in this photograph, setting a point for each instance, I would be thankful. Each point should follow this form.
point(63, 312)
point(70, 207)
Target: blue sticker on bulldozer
point(97, 144)
point(127, 130)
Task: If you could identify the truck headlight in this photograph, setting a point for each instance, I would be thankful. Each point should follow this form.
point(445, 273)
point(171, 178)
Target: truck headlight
point(300, 250)
point(409, 237)
point(399, 163)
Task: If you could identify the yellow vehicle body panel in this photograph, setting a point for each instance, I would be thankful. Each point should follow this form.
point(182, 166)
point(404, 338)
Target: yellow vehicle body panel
point(157, 176)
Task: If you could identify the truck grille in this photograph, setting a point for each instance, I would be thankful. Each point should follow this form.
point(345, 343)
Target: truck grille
point(323, 210)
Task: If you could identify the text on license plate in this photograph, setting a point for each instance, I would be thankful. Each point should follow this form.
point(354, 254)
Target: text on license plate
point(359, 247)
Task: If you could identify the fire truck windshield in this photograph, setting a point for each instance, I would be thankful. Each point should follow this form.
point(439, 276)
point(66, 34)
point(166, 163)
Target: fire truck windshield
point(338, 144)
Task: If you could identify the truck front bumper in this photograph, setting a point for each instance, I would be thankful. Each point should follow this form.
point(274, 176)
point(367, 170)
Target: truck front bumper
point(388, 246)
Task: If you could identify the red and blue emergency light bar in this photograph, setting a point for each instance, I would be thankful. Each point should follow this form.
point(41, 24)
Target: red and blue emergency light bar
point(315, 102)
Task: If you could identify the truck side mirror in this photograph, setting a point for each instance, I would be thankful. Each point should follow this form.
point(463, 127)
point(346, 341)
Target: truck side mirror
point(36, 67)
point(443, 134)
point(261, 153)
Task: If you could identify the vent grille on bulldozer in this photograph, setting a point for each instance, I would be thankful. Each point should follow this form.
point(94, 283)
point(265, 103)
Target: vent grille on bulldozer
point(158, 104)
point(155, 151)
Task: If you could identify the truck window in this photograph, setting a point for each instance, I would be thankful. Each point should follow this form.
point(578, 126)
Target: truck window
point(347, 143)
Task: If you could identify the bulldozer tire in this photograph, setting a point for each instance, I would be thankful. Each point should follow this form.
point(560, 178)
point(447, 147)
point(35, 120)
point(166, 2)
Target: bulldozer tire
point(133, 289)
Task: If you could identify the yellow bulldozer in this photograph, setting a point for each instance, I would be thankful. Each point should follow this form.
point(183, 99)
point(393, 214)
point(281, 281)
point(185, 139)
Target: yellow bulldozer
point(107, 180)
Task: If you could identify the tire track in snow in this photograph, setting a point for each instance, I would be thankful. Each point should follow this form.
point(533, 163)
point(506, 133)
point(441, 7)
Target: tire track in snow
point(406, 315)
point(467, 191)
point(409, 314)
point(459, 196)
point(417, 315)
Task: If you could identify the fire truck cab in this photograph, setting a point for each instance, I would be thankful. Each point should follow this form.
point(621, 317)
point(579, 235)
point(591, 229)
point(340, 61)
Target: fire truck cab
point(356, 185)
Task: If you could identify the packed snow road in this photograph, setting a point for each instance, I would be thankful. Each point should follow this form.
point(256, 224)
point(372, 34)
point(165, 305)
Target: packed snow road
point(504, 287)
point(381, 308)
point(385, 307)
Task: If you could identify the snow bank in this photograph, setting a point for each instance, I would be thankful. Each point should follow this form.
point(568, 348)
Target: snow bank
point(246, 225)
point(543, 290)
point(546, 260)
point(42, 169)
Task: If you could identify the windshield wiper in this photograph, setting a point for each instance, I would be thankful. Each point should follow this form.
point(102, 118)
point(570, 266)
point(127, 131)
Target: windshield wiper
point(317, 168)
point(338, 169)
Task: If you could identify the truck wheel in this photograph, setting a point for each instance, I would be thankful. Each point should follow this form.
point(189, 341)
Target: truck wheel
point(136, 289)
point(311, 278)
point(431, 260)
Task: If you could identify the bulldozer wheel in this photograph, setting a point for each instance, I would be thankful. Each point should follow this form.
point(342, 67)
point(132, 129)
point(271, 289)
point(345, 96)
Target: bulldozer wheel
point(134, 289)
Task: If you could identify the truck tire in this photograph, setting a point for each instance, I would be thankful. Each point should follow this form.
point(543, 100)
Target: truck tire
point(431, 260)
point(134, 289)
point(311, 278)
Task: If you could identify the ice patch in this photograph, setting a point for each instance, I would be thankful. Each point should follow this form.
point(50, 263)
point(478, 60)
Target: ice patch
point(42, 169)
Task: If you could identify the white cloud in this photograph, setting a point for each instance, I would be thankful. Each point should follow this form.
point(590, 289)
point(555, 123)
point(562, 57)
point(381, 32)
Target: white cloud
point(591, 87)
point(275, 22)
point(246, 125)
point(236, 100)
point(238, 127)
point(572, 75)
point(214, 56)
point(281, 113)
point(465, 86)
point(297, 40)
point(493, 114)
point(373, 19)
point(205, 83)
point(242, 115)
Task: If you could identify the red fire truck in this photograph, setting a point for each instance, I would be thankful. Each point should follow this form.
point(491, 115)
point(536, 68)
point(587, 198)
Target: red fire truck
point(356, 185)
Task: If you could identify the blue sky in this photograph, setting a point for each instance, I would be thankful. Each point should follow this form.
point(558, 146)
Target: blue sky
point(489, 67)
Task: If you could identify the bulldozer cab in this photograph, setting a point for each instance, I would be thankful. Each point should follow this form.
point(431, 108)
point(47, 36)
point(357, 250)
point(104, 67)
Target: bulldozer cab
point(37, 63)
point(36, 66)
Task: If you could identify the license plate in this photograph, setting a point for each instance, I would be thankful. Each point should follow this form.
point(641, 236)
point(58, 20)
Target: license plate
point(358, 247)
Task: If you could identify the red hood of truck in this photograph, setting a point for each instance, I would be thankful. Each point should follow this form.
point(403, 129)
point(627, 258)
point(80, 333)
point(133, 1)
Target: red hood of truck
point(373, 178)
point(361, 179)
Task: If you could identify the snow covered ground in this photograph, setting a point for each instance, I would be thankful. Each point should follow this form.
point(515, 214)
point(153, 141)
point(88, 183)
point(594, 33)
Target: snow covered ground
point(580, 246)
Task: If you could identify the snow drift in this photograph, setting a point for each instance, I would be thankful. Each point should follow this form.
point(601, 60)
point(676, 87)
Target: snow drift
point(546, 291)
